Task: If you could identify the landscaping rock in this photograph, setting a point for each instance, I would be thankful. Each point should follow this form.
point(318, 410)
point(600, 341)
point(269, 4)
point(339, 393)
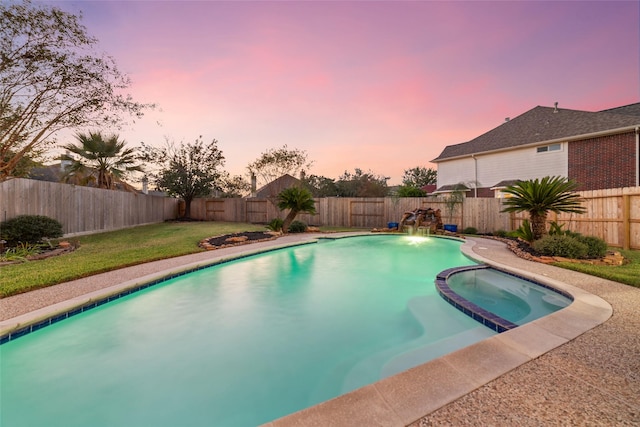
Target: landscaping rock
point(234, 239)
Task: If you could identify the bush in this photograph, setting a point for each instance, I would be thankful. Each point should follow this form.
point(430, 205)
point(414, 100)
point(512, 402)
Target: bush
point(500, 233)
point(596, 247)
point(470, 230)
point(29, 229)
point(297, 227)
point(561, 245)
point(275, 224)
point(19, 253)
point(555, 229)
point(525, 232)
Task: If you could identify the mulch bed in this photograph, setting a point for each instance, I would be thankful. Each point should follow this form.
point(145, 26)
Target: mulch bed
point(235, 239)
point(525, 251)
point(44, 254)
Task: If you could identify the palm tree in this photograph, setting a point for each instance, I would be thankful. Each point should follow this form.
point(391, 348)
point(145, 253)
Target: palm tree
point(297, 199)
point(105, 161)
point(538, 197)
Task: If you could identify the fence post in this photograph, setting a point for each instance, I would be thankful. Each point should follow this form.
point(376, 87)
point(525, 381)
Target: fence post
point(626, 223)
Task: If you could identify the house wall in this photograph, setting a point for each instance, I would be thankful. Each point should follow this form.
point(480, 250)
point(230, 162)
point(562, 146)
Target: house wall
point(605, 162)
point(524, 163)
point(455, 171)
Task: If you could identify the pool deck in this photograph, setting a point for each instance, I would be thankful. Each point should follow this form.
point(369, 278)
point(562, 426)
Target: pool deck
point(578, 366)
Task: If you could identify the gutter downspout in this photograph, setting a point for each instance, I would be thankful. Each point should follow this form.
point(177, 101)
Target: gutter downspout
point(475, 171)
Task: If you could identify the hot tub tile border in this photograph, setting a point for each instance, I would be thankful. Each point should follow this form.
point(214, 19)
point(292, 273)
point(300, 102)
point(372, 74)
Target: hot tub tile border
point(472, 310)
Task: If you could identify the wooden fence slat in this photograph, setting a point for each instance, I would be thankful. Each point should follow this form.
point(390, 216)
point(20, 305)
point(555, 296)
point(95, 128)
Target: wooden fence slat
point(82, 210)
point(613, 214)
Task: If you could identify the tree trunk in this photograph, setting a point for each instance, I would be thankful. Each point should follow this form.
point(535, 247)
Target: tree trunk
point(187, 208)
point(538, 224)
point(288, 220)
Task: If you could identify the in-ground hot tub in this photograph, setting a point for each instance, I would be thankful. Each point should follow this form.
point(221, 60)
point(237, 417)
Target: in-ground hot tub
point(498, 299)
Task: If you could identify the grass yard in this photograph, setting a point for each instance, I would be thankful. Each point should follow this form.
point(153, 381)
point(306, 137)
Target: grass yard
point(109, 251)
point(628, 273)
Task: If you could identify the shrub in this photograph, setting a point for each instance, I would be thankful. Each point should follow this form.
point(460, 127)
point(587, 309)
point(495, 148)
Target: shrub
point(297, 227)
point(525, 232)
point(470, 230)
point(596, 247)
point(555, 229)
point(561, 245)
point(19, 253)
point(500, 233)
point(29, 229)
point(513, 234)
point(275, 224)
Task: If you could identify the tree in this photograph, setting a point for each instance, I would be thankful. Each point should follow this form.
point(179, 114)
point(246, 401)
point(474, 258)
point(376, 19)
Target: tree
point(274, 163)
point(454, 199)
point(410, 191)
point(362, 184)
point(320, 186)
point(297, 199)
point(234, 186)
point(25, 165)
point(187, 171)
point(50, 79)
point(538, 197)
point(103, 160)
point(419, 176)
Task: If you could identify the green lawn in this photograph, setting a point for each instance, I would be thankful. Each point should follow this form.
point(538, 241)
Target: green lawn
point(628, 273)
point(109, 251)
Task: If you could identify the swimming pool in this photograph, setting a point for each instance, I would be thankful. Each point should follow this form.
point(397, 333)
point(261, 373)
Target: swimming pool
point(217, 347)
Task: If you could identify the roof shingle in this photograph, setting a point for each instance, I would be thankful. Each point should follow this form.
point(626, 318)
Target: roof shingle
point(542, 124)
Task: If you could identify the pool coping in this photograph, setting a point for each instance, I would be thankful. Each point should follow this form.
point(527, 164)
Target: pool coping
point(405, 397)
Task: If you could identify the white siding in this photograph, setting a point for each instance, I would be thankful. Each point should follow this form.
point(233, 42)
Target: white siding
point(455, 171)
point(524, 163)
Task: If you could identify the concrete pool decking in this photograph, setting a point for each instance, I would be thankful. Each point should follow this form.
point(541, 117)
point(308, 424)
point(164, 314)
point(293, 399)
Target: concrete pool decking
point(580, 365)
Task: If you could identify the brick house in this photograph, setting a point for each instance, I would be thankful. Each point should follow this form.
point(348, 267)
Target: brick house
point(596, 149)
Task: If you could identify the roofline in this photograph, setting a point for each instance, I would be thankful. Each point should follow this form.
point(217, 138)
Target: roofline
point(549, 141)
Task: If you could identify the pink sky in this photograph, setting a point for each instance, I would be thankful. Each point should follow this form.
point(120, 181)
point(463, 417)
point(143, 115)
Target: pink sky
point(381, 86)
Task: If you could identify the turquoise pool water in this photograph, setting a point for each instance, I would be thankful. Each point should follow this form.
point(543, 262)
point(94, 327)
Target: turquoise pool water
point(514, 299)
point(244, 342)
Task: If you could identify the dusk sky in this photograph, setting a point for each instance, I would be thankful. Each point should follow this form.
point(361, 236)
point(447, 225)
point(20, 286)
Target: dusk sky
point(381, 86)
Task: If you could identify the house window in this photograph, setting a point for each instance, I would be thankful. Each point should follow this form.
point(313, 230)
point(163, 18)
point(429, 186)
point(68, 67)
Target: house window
point(547, 148)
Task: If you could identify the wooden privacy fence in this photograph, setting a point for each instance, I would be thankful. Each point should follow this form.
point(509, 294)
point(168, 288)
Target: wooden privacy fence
point(483, 214)
point(83, 210)
point(613, 215)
